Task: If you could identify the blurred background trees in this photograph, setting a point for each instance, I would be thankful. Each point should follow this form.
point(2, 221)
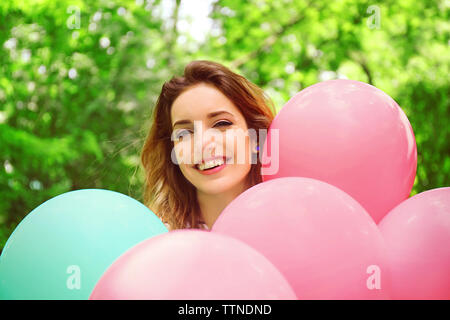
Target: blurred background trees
point(79, 79)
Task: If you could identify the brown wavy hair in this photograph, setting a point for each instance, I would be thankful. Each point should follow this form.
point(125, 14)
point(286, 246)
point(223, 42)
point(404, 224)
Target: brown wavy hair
point(166, 191)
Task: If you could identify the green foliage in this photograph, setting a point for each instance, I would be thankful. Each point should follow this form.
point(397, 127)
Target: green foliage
point(75, 100)
point(285, 46)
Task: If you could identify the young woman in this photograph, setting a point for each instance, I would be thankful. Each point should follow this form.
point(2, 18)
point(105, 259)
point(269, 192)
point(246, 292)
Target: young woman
point(193, 165)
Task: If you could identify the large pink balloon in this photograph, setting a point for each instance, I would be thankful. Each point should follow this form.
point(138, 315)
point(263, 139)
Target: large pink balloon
point(192, 265)
point(417, 234)
point(351, 135)
point(323, 241)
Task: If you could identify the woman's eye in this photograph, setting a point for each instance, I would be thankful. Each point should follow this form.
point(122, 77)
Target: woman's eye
point(181, 134)
point(222, 124)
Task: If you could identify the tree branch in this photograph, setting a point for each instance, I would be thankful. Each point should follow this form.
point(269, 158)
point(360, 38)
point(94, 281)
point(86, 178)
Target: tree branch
point(269, 41)
point(361, 60)
point(174, 36)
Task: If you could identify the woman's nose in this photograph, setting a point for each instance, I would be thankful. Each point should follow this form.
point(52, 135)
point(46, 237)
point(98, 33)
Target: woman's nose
point(206, 142)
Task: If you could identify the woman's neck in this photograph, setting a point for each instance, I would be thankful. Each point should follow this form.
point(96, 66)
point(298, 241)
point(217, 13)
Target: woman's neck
point(212, 205)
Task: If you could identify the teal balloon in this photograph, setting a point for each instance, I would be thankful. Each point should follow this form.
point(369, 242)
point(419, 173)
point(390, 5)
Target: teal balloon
point(62, 248)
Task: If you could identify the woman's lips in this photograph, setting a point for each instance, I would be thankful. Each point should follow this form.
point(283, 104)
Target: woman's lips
point(213, 170)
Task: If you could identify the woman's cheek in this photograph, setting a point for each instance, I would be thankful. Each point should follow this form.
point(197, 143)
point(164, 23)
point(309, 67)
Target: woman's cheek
point(234, 146)
point(242, 150)
point(182, 153)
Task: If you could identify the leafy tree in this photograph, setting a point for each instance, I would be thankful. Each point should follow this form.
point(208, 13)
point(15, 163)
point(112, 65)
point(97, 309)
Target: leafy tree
point(78, 78)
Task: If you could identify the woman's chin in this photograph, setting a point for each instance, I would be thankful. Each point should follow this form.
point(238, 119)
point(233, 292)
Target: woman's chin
point(212, 188)
point(219, 182)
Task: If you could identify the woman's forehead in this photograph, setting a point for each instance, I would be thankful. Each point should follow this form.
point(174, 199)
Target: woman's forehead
point(200, 101)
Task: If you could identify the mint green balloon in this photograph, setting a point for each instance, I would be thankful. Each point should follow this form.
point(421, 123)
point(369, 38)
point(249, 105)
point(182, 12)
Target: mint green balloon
point(62, 248)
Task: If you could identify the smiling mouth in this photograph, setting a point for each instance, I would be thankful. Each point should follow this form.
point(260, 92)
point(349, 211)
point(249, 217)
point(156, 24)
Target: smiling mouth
point(209, 165)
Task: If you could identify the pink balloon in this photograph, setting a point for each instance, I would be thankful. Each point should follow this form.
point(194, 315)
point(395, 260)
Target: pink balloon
point(323, 241)
point(192, 265)
point(417, 234)
point(351, 135)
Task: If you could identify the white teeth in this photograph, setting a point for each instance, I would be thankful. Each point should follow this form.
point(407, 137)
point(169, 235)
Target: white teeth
point(210, 164)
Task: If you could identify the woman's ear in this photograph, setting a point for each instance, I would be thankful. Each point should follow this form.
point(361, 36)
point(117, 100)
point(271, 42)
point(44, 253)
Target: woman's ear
point(255, 148)
point(254, 144)
point(254, 156)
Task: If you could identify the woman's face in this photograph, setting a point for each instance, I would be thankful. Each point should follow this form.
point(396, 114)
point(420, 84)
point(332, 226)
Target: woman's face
point(206, 124)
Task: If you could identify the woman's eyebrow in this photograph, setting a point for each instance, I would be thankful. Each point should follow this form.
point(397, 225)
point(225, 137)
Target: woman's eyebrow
point(209, 116)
